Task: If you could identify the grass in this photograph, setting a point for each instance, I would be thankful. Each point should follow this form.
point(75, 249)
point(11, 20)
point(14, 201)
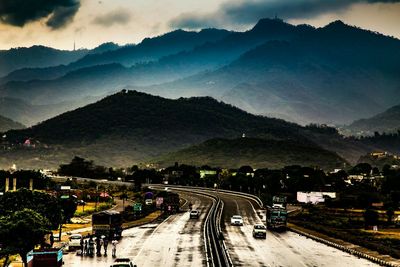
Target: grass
point(90, 208)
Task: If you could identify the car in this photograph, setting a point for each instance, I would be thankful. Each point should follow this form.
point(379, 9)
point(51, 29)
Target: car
point(123, 262)
point(259, 230)
point(194, 214)
point(236, 220)
point(74, 241)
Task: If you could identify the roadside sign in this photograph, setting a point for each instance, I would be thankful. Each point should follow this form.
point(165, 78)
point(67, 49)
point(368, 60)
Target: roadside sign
point(137, 207)
point(159, 201)
point(65, 187)
point(64, 197)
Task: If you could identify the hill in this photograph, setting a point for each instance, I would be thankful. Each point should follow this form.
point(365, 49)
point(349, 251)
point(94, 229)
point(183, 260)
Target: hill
point(259, 153)
point(387, 121)
point(129, 127)
point(7, 124)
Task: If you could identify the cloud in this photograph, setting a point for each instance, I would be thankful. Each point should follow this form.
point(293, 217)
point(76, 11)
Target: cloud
point(118, 16)
point(20, 12)
point(250, 11)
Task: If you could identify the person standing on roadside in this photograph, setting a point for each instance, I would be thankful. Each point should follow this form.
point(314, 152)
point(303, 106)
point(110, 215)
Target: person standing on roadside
point(86, 248)
point(98, 246)
point(105, 246)
point(114, 247)
point(81, 243)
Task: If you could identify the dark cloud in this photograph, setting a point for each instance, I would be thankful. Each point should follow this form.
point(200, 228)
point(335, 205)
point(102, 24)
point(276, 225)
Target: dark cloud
point(119, 16)
point(250, 11)
point(21, 12)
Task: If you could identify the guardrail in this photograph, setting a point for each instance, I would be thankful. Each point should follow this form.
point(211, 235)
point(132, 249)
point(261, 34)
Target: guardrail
point(318, 239)
point(216, 251)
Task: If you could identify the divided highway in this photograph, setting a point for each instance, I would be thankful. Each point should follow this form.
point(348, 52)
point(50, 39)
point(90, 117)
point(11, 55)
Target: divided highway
point(180, 241)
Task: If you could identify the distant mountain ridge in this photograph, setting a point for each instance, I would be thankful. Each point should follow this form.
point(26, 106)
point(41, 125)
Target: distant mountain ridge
point(7, 124)
point(387, 121)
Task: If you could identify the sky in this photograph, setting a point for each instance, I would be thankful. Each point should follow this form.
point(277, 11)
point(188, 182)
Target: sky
point(88, 23)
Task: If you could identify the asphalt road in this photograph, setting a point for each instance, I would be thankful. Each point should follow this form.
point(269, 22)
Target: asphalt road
point(279, 249)
point(177, 241)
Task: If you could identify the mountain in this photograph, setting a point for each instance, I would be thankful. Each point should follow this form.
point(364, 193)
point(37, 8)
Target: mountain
point(29, 114)
point(387, 121)
point(206, 50)
point(36, 57)
point(150, 49)
point(7, 124)
point(334, 74)
point(256, 152)
point(129, 127)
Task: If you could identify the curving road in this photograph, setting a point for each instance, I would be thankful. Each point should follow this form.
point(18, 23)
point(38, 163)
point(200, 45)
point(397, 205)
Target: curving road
point(177, 241)
point(279, 249)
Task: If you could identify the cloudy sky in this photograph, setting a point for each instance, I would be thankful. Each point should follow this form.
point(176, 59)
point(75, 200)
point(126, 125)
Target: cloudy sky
point(57, 23)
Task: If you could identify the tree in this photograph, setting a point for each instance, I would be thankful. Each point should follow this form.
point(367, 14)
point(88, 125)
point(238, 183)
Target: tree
point(371, 217)
point(22, 231)
point(42, 203)
point(390, 214)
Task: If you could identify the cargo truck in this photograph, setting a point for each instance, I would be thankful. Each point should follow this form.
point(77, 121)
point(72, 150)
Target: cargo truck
point(107, 223)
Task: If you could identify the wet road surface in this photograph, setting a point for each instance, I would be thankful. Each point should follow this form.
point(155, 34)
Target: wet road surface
point(177, 241)
point(279, 249)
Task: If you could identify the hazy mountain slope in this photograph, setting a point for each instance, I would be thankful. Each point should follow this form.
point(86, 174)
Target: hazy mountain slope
point(387, 121)
point(221, 48)
point(333, 74)
point(150, 49)
point(36, 57)
point(29, 114)
point(258, 153)
point(7, 124)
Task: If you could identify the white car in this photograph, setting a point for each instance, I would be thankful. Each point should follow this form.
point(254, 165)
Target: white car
point(236, 220)
point(74, 241)
point(194, 214)
point(123, 262)
point(259, 230)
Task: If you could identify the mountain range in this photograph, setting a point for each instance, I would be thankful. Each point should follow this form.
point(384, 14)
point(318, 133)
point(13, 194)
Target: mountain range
point(385, 122)
point(335, 74)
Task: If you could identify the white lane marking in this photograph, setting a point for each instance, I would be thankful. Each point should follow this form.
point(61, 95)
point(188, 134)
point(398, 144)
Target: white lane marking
point(151, 235)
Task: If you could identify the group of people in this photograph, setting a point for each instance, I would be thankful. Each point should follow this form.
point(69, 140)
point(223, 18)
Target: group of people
point(91, 246)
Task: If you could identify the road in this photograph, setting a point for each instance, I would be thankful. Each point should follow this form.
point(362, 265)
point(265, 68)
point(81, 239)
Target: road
point(177, 241)
point(279, 249)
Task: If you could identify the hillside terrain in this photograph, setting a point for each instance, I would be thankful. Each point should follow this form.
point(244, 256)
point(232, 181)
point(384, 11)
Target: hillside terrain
point(385, 122)
point(130, 127)
point(7, 124)
point(258, 153)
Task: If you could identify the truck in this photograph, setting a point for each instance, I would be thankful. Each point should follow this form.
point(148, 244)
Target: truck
point(52, 257)
point(170, 203)
point(276, 218)
point(277, 213)
point(108, 224)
